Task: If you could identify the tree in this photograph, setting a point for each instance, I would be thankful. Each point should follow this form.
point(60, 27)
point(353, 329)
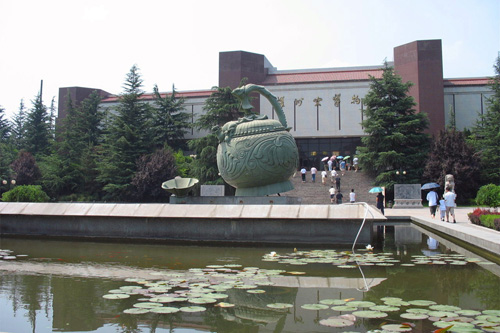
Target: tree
point(25, 169)
point(38, 129)
point(4, 126)
point(486, 134)
point(128, 138)
point(152, 171)
point(395, 138)
point(170, 122)
point(451, 154)
point(18, 136)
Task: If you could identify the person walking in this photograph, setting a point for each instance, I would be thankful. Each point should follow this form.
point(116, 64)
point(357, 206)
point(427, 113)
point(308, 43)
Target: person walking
point(380, 202)
point(324, 175)
point(303, 172)
point(442, 208)
point(332, 194)
point(342, 167)
point(355, 162)
point(333, 175)
point(337, 182)
point(432, 198)
point(449, 201)
point(339, 197)
point(352, 196)
point(313, 174)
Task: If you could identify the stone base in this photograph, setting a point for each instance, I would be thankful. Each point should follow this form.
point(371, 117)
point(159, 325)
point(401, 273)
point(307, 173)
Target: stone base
point(407, 203)
point(265, 190)
point(237, 200)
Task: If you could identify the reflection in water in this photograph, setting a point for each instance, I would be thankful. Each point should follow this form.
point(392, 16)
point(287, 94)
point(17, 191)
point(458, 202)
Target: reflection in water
point(61, 284)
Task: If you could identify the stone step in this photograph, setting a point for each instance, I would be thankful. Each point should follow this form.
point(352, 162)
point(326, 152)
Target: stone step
point(317, 193)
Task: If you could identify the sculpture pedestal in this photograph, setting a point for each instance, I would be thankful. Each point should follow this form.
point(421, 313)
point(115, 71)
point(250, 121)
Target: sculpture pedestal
point(407, 203)
point(265, 189)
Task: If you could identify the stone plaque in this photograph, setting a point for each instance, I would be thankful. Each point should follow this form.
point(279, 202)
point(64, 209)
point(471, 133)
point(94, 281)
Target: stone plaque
point(212, 190)
point(407, 196)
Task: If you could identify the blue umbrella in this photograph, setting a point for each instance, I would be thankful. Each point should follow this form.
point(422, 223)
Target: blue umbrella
point(376, 190)
point(340, 157)
point(428, 186)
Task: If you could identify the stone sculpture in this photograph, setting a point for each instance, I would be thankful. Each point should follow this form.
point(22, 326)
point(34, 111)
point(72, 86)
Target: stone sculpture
point(449, 182)
point(257, 155)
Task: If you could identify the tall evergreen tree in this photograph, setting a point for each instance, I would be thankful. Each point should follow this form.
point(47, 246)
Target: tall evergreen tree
point(451, 154)
point(486, 134)
point(170, 122)
point(128, 139)
point(18, 136)
point(5, 127)
point(38, 132)
point(395, 138)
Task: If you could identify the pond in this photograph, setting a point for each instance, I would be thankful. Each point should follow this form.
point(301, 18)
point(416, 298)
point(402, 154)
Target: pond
point(411, 281)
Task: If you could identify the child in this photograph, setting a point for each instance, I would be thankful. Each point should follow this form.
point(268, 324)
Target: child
point(442, 208)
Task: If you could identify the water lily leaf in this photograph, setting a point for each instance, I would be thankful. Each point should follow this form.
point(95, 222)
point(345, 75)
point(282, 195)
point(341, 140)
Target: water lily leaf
point(361, 304)
point(256, 291)
point(344, 308)
point(420, 302)
point(225, 305)
point(442, 314)
point(166, 309)
point(370, 314)
point(384, 308)
point(418, 310)
point(440, 307)
point(202, 300)
point(116, 296)
point(492, 312)
point(336, 322)
point(315, 306)
point(163, 299)
point(468, 313)
point(414, 316)
point(193, 309)
point(396, 328)
point(147, 305)
point(332, 301)
point(136, 311)
point(280, 305)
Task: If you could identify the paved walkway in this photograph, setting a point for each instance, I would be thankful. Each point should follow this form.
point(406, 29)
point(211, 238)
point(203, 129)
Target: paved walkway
point(464, 230)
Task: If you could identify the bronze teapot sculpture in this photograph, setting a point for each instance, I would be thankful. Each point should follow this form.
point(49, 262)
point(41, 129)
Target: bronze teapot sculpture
point(257, 155)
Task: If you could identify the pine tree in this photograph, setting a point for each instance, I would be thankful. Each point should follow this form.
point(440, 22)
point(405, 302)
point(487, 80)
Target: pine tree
point(18, 136)
point(170, 122)
point(38, 133)
point(486, 134)
point(451, 154)
point(395, 138)
point(128, 138)
point(5, 127)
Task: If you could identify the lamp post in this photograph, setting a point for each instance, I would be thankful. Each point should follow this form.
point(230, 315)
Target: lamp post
point(10, 183)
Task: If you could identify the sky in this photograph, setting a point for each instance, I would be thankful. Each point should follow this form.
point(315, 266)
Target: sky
point(94, 43)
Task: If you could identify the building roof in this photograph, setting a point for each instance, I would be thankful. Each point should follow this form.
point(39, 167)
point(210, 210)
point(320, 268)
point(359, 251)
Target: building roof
point(477, 81)
point(326, 76)
point(179, 94)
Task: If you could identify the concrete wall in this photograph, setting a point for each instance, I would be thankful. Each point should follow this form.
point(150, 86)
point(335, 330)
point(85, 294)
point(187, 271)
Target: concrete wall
point(249, 224)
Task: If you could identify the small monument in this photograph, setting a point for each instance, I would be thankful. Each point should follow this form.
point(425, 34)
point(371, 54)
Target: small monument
point(257, 155)
point(407, 196)
point(449, 182)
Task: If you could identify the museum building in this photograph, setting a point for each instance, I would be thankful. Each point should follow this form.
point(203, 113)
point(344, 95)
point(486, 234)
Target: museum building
point(324, 106)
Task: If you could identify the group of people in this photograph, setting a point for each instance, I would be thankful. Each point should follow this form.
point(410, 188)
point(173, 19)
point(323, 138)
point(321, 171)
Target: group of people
point(336, 195)
point(446, 204)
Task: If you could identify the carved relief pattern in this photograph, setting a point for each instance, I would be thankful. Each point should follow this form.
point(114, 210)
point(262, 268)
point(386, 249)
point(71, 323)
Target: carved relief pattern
point(317, 101)
point(336, 100)
point(262, 159)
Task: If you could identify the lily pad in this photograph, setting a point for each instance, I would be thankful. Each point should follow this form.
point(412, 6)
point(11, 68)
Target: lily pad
point(336, 322)
point(147, 305)
point(202, 300)
point(163, 299)
point(414, 316)
point(370, 314)
point(164, 310)
point(280, 305)
point(420, 302)
point(361, 304)
point(192, 309)
point(384, 308)
point(344, 308)
point(468, 313)
point(396, 328)
point(256, 291)
point(136, 311)
point(116, 296)
point(332, 301)
point(315, 306)
point(492, 312)
point(225, 305)
point(440, 307)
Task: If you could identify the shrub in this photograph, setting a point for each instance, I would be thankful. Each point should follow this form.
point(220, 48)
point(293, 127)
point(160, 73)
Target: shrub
point(489, 195)
point(26, 193)
point(491, 221)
